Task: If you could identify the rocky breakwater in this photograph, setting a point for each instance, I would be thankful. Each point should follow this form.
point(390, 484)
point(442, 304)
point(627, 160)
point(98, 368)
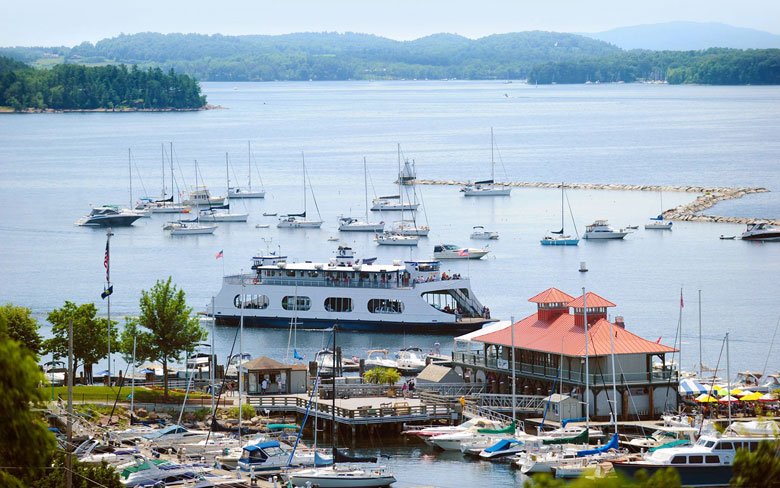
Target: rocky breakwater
point(690, 212)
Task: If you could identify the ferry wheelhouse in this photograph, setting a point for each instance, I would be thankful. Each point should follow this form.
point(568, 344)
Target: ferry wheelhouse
point(410, 296)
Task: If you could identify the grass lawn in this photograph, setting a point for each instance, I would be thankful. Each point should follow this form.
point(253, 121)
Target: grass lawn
point(107, 394)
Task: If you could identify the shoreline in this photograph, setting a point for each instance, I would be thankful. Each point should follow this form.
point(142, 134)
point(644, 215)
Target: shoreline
point(690, 212)
point(7, 110)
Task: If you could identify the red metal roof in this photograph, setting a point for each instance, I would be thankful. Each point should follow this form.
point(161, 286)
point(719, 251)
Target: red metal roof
point(561, 336)
point(593, 301)
point(551, 295)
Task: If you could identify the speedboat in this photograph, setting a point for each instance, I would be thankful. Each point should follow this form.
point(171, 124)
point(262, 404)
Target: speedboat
point(479, 232)
point(271, 455)
point(342, 476)
point(761, 231)
point(378, 358)
point(349, 224)
point(502, 449)
point(451, 251)
point(95, 451)
point(429, 432)
point(410, 360)
point(109, 216)
point(476, 434)
point(235, 360)
point(152, 472)
point(175, 434)
point(393, 239)
point(662, 437)
point(600, 229)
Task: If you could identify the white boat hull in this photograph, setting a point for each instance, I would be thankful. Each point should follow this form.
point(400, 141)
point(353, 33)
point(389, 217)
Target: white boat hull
point(239, 193)
point(299, 224)
point(193, 230)
point(604, 235)
point(658, 226)
point(394, 207)
point(224, 217)
point(455, 255)
point(487, 192)
point(397, 240)
point(362, 227)
point(340, 477)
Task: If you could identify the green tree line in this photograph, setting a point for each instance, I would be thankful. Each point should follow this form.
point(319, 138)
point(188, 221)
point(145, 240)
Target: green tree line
point(540, 57)
point(710, 67)
point(79, 87)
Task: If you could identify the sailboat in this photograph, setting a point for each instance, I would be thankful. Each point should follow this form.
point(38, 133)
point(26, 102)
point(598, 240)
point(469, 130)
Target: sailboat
point(350, 224)
point(298, 221)
point(487, 188)
point(394, 238)
point(248, 192)
point(341, 475)
point(558, 238)
point(163, 204)
point(408, 175)
point(223, 214)
point(189, 227)
point(408, 227)
point(658, 223)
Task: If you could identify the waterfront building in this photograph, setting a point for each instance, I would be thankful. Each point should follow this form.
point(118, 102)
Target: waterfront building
point(550, 357)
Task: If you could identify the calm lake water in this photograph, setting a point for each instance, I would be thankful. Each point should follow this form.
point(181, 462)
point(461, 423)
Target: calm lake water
point(53, 166)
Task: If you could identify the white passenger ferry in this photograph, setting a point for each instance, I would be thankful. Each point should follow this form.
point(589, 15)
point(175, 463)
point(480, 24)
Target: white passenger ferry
point(410, 296)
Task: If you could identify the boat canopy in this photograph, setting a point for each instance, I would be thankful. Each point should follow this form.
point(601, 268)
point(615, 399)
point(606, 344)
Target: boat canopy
point(484, 182)
point(509, 429)
point(501, 445)
point(612, 444)
point(262, 445)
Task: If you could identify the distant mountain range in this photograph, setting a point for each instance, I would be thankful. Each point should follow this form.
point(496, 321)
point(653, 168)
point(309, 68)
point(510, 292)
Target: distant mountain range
point(687, 36)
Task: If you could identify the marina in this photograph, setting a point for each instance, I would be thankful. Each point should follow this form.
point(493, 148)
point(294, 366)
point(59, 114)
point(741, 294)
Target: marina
point(289, 287)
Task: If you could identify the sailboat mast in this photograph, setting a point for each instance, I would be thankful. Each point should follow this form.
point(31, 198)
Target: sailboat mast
point(492, 160)
point(728, 374)
point(249, 162)
point(562, 185)
point(171, 157)
point(130, 170)
point(303, 163)
point(365, 184)
point(587, 360)
point(400, 192)
point(241, 358)
point(333, 398)
point(701, 365)
point(162, 160)
point(227, 172)
point(614, 374)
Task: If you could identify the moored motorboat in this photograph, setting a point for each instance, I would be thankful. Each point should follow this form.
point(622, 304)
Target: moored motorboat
point(761, 231)
point(200, 197)
point(393, 239)
point(392, 203)
point(181, 228)
point(600, 229)
point(109, 216)
point(451, 251)
point(479, 233)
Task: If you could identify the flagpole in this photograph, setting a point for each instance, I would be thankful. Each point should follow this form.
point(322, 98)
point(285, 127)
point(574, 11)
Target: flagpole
point(108, 288)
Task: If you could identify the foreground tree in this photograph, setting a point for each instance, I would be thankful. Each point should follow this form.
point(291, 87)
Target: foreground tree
point(758, 469)
point(18, 324)
point(164, 330)
point(90, 335)
point(25, 438)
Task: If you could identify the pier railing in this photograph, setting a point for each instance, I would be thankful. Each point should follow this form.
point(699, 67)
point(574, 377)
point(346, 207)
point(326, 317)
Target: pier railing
point(387, 412)
point(537, 371)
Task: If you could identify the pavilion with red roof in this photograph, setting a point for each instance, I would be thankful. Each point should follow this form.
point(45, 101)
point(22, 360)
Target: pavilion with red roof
point(550, 354)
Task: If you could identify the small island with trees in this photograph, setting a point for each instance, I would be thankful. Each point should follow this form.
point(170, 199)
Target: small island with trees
point(74, 87)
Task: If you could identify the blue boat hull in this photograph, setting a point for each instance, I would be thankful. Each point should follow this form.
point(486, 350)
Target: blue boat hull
point(562, 242)
point(357, 326)
point(704, 475)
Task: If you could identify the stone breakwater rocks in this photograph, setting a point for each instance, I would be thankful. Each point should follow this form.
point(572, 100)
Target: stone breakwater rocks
point(690, 212)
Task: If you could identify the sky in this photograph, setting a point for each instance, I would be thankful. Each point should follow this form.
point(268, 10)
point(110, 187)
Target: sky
point(57, 22)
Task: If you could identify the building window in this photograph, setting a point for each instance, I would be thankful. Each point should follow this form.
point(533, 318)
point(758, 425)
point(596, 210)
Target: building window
point(296, 303)
point(381, 305)
point(257, 302)
point(338, 304)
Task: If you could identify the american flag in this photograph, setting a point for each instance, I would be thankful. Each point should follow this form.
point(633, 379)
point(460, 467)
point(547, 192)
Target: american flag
point(219, 255)
point(463, 252)
point(106, 263)
point(682, 303)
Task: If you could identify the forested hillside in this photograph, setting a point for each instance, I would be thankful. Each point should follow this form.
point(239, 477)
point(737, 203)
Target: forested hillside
point(78, 87)
point(539, 57)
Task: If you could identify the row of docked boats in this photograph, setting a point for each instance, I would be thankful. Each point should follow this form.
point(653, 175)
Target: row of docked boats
point(700, 460)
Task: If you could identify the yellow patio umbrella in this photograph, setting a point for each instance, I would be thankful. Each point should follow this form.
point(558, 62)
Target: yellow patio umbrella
point(720, 390)
point(751, 397)
point(736, 392)
point(706, 398)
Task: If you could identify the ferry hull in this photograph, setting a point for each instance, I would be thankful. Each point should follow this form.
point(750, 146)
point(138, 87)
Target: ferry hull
point(444, 328)
point(704, 475)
